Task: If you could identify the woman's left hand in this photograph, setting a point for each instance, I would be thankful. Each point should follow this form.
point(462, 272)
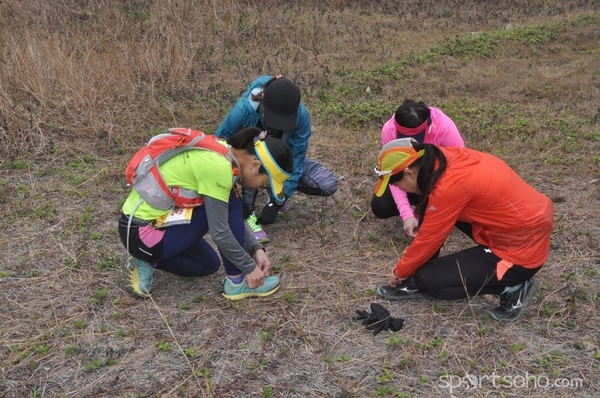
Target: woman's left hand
point(262, 261)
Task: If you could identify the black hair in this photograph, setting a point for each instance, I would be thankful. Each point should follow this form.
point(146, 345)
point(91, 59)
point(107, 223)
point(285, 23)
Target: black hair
point(428, 173)
point(280, 151)
point(396, 177)
point(411, 113)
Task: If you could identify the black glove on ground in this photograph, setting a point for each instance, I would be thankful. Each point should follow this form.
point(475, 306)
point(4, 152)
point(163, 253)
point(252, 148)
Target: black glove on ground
point(379, 319)
point(269, 213)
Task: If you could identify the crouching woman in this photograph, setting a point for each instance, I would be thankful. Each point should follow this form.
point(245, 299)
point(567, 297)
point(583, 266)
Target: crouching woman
point(481, 195)
point(251, 160)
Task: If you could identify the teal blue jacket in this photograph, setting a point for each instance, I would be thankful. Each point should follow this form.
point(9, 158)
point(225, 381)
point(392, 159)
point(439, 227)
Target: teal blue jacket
point(244, 114)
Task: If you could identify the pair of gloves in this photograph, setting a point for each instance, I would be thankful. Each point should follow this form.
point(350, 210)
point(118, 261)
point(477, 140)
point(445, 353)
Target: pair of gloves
point(269, 213)
point(378, 319)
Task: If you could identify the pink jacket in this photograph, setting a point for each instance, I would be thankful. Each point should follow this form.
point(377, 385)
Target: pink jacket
point(442, 132)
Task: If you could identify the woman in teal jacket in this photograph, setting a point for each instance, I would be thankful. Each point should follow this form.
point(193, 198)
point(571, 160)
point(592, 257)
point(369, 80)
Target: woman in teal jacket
point(272, 103)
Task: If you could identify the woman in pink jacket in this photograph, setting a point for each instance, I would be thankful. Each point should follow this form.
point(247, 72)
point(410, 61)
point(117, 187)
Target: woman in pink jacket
point(424, 124)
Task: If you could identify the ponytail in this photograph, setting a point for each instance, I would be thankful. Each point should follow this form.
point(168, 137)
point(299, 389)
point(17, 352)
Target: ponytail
point(428, 173)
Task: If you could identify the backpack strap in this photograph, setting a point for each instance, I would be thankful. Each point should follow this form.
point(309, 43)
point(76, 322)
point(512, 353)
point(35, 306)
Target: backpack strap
point(131, 219)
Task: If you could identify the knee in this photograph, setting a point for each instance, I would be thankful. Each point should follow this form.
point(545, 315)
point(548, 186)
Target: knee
point(329, 188)
point(326, 183)
point(382, 212)
point(377, 211)
point(213, 262)
point(319, 190)
point(206, 267)
point(213, 270)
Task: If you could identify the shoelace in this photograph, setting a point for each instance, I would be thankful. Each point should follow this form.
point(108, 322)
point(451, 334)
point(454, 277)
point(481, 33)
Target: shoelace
point(252, 224)
point(504, 301)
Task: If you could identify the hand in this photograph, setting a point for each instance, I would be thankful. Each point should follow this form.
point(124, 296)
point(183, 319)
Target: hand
point(255, 278)
point(395, 280)
point(269, 213)
point(262, 261)
point(411, 226)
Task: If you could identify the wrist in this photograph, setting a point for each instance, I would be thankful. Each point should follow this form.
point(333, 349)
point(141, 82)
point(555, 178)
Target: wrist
point(253, 250)
point(408, 216)
point(396, 269)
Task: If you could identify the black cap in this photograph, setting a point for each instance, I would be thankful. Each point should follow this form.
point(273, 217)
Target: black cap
point(280, 103)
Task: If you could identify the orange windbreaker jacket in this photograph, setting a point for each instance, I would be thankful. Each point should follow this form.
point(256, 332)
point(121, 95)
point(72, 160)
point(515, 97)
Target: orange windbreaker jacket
point(508, 215)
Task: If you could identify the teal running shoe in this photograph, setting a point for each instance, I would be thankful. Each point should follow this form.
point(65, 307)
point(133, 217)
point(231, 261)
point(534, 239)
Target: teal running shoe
point(241, 291)
point(139, 276)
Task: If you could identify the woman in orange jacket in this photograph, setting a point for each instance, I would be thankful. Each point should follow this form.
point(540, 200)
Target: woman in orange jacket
point(481, 195)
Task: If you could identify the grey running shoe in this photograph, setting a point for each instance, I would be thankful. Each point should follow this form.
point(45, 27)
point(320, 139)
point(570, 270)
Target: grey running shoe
point(407, 290)
point(512, 305)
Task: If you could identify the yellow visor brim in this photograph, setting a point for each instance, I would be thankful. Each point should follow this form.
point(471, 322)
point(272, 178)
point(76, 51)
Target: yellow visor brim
point(277, 176)
point(382, 185)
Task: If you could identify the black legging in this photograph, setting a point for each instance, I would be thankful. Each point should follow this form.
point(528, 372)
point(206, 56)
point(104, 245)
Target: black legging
point(467, 273)
point(384, 206)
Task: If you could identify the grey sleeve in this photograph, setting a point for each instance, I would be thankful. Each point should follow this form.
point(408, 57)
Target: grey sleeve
point(250, 241)
point(217, 214)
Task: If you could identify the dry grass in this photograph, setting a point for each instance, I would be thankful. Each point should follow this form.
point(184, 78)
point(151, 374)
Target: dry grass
point(82, 84)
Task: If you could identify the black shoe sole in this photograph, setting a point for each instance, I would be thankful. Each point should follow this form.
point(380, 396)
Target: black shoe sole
point(395, 297)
